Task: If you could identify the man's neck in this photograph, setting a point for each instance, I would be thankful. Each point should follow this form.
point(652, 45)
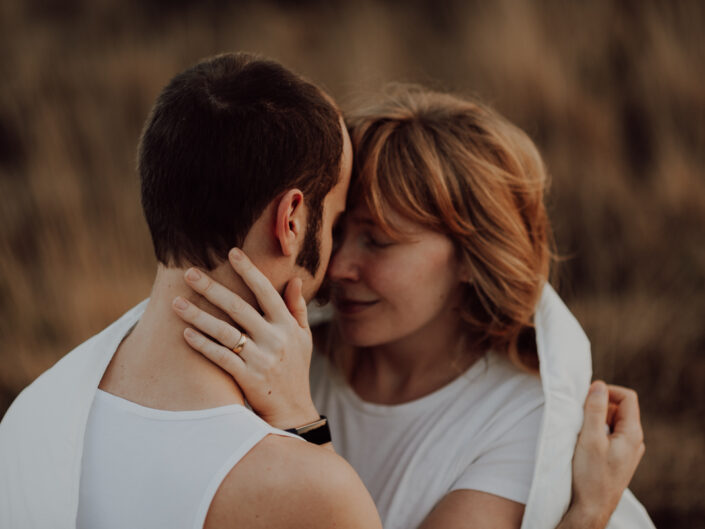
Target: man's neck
point(155, 367)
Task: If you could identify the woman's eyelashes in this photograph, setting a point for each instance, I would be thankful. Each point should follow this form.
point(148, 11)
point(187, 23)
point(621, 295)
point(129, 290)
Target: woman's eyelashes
point(370, 240)
point(346, 231)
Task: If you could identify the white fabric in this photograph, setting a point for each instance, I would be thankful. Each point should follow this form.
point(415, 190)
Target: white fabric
point(479, 432)
point(565, 370)
point(42, 435)
point(145, 468)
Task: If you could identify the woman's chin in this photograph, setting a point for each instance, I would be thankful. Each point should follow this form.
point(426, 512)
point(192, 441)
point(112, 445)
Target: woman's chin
point(358, 334)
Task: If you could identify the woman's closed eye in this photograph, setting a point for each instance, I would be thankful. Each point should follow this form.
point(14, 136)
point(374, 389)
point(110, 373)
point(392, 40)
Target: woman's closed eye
point(376, 242)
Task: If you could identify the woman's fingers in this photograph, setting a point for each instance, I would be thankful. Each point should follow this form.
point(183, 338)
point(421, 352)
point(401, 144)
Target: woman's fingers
point(267, 296)
point(233, 305)
point(611, 411)
point(603, 464)
point(293, 295)
point(596, 406)
point(615, 406)
point(219, 355)
point(217, 329)
point(626, 420)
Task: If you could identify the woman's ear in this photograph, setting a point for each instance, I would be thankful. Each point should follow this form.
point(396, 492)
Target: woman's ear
point(290, 223)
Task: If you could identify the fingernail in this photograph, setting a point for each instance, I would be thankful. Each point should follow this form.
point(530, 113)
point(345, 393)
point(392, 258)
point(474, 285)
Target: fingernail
point(598, 388)
point(236, 254)
point(180, 303)
point(193, 275)
point(189, 333)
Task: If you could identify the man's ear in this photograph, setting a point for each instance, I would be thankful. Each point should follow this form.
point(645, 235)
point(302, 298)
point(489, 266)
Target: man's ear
point(290, 223)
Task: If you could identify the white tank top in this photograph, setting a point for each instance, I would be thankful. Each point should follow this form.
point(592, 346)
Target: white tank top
point(149, 468)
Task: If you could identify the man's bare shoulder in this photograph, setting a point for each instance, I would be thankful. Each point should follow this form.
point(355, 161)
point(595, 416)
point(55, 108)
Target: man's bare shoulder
point(288, 483)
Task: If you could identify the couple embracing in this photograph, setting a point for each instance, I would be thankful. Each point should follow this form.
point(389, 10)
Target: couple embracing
point(450, 378)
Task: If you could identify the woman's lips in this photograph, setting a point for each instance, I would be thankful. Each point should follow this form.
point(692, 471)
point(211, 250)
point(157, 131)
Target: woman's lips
point(351, 306)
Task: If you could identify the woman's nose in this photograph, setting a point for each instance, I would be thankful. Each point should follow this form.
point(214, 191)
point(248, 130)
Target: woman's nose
point(343, 264)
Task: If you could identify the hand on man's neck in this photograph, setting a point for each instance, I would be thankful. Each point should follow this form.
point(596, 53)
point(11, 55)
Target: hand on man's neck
point(155, 367)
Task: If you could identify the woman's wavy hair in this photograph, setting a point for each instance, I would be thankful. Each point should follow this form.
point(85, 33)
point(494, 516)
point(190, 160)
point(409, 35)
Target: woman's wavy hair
point(458, 167)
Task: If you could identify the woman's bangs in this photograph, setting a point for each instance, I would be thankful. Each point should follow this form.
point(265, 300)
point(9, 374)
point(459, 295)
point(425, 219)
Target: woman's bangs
point(385, 187)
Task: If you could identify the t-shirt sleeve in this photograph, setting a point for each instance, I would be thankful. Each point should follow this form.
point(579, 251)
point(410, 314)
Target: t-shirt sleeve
point(505, 468)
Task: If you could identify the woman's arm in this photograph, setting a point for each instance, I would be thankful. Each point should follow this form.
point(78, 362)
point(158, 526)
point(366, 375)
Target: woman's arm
point(603, 465)
point(472, 508)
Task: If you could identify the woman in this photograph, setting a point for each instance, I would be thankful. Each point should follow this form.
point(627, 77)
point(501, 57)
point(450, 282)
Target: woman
point(429, 371)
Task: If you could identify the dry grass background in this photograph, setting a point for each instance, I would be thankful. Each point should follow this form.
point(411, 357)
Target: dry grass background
point(613, 93)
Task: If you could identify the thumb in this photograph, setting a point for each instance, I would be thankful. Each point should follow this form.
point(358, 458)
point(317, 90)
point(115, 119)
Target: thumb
point(295, 302)
point(596, 405)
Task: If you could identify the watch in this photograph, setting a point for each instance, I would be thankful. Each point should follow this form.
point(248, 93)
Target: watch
point(316, 432)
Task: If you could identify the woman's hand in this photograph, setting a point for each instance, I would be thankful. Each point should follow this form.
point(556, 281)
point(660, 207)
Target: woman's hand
point(272, 369)
point(604, 461)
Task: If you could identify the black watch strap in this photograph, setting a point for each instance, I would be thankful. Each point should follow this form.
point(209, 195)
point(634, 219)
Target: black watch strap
point(316, 432)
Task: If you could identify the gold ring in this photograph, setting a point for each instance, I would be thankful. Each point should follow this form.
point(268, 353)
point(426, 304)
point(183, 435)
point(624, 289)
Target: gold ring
point(240, 345)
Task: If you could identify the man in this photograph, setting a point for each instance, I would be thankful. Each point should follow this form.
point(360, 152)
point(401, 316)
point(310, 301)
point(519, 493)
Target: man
point(133, 428)
point(236, 151)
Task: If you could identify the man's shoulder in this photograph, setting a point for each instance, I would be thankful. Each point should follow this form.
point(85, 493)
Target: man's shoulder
point(55, 386)
point(284, 482)
point(49, 416)
point(76, 374)
point(41, 436)
point(44, 394)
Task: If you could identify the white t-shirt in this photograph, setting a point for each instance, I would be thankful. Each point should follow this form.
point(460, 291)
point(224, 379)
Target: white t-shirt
point(479, 432)
point(149, 468)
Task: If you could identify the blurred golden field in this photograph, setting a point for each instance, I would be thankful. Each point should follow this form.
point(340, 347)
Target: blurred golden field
point(612, 92)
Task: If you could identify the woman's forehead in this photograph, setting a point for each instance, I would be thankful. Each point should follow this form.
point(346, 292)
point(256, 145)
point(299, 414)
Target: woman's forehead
point(400, 225)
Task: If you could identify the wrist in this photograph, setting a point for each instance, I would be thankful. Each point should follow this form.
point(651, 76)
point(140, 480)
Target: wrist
point(317, 432)
point(584, 516)
point(294, 419)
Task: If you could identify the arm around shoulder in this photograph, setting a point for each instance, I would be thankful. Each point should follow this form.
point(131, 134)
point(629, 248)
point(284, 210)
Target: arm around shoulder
point(288, 483)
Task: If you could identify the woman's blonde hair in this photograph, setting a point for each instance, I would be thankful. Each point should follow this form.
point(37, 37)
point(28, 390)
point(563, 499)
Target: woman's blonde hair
point(457, 167)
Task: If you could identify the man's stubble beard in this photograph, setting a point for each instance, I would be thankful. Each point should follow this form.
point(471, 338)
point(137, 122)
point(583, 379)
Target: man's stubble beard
point(309, 257)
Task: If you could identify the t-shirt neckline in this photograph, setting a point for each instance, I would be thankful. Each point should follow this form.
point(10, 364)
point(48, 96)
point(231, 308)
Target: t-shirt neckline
point(430, 400)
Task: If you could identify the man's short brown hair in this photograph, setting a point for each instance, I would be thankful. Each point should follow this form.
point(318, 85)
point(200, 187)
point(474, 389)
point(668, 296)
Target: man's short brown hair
point(225, 138)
